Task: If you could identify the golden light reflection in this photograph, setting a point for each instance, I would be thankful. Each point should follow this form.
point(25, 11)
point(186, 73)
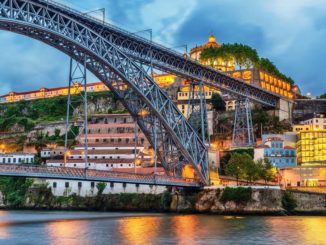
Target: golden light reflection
point(67, 232)
point(4, 228)
point(312, 229)
point(142, 230)
point(186, 228)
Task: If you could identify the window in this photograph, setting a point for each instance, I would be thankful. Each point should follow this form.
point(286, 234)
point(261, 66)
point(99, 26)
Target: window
point(54, 184)
point(80, 184)
point(92, 185)
point(67, 184)
point(124, 185)
point(111, 184)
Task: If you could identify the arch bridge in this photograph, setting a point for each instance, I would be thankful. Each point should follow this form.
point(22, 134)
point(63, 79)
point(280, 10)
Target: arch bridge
point(113, 54)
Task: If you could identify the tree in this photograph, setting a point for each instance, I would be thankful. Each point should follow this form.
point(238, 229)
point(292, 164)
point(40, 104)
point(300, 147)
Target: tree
point(252, 170)
point(322, 96)
point(100, 188)
point(217, 102)
point(267, 171)
point(235, 167)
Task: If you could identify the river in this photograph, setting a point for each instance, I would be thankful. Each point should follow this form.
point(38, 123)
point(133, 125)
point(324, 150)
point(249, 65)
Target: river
point(66, 228)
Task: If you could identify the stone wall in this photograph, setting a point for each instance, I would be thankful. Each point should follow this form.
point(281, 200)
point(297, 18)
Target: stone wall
point(263, 201)
point(310, 202)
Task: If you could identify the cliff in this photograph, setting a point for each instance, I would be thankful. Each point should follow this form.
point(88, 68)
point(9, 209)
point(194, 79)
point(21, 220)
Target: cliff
point(248, 201)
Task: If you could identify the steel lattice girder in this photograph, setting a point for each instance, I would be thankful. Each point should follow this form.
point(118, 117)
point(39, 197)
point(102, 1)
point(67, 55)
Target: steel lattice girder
point(176, 138)
point(165, 59)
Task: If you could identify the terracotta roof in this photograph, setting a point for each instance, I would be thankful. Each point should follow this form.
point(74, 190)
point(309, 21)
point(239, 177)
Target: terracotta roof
point(150, 170)
point(289, 147)
point(113, 135)
point(111, 125)
point(98, 152)
point(94, 145)
point(97, 161)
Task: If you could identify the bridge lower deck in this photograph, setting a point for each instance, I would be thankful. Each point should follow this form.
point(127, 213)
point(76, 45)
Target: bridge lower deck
point(34, 171)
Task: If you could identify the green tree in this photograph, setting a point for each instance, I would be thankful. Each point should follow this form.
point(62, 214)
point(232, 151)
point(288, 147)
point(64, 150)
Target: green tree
point(14, 190)
point(217, 102)
point(100, 188)
point(235, 167)
point(322, 96)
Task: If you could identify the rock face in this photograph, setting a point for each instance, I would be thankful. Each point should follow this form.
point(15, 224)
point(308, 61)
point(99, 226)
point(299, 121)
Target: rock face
point(2, 204)
point(310, 202)
point(262, 201)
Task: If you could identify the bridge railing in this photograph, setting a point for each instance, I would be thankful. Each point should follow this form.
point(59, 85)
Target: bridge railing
point(73, 173)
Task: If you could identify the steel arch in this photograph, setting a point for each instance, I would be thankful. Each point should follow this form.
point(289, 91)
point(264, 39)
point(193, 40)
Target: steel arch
point(176, 139)
point(144, 51)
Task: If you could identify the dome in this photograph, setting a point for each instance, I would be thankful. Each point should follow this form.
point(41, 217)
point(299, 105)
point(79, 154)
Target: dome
point(211, 39)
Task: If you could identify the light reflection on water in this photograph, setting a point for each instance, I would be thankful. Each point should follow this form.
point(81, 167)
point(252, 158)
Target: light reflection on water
point(115, 228)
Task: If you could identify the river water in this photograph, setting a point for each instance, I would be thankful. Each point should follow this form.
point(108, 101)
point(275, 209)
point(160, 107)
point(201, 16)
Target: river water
point(33, 227)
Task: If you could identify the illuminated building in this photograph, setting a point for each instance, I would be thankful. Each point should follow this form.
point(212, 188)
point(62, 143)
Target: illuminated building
point(217, 63)
point(111, 147)
point(265, 80)
point(316, 121)
point(16, 158)
point(311, 147)
point(306, 176)
point(278, 149)
point(44, 93)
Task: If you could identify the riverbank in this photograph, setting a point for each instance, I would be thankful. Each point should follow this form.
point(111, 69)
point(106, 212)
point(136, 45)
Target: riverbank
point(228, 201)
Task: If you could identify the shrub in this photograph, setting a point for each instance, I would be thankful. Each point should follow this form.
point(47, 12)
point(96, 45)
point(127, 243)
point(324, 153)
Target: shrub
point(100, 188)
point(165, 200)
point(239, 195)
point(288, 201)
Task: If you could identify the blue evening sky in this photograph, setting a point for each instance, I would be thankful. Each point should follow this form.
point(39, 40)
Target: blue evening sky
point(291, 33)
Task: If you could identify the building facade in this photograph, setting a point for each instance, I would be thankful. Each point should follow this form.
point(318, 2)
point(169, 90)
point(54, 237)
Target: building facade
point(111, 147)
point(17, 158)
point(277, 150)
point(44, 93)
point(311, 147)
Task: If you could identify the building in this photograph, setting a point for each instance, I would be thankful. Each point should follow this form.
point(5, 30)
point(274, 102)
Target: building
point(218, 63)
point(311, 147)
point(303, 176)
point(43, 93)
point(278, 149)
point(111, 147)
point(306, 107)
point(265, 80)
point(51, 152)
point(315, 121)
point(17, 158)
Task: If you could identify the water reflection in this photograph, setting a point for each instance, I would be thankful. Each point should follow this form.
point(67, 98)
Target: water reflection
point(68, 232)
point(186, 227)
point(4, 226)
point(139, 230)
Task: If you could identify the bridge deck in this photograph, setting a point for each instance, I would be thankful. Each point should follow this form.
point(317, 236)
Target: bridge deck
point(34, 171)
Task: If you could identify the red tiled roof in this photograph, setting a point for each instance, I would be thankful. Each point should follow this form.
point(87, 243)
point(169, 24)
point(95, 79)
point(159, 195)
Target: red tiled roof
point(101, 152)
point(111, 125)
point(150, 170)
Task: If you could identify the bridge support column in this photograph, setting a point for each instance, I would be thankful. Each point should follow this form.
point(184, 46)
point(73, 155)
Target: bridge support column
point(197, 111)
point(243, 135)
point(77, 86)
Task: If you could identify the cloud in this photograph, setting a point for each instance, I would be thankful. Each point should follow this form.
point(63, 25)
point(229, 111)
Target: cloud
point(291, 33)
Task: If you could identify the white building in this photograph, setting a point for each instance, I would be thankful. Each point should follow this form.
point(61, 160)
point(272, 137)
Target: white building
point(17, 158)
point(111, 147)
point(52, 152)
point(312, 122)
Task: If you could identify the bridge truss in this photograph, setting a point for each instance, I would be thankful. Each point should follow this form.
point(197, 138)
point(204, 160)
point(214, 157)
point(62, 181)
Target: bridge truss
point(118, 58)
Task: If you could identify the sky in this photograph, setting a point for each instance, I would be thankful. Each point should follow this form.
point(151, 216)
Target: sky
point(290, 33)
